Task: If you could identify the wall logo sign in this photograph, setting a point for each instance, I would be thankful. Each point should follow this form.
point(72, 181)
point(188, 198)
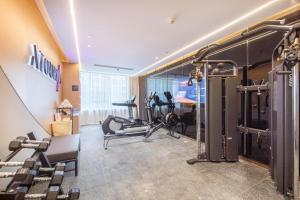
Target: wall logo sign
point(38, 61)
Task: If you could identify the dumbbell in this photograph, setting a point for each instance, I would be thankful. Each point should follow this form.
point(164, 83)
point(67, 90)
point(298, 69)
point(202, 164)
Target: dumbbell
point(20, 175)
point(18, 144)
point(53, 193)
point(55, 180)
point(26, 140)
point(58, 167)
point(28, 177)
point(46, 170)
point(33, 164)
point(28, 163)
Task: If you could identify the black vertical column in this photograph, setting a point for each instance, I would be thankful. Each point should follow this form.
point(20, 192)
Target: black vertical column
point(245, 82)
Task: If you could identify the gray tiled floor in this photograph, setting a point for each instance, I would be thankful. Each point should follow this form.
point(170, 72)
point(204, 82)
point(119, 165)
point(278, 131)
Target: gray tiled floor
point(132, 169)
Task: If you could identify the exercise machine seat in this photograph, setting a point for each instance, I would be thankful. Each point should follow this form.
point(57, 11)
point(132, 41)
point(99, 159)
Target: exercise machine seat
point(64, 148)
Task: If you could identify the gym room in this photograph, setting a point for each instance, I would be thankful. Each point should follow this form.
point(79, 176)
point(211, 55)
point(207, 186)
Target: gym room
point(149, 100)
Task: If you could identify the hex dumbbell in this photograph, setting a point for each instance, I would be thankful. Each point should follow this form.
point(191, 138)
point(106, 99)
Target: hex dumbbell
point(20, 175)
point(28, 163)
point(55, 180)
point(53, 193)
point(26, 140)
point(48, 170)
point(28, 177)
point(18, 144)
point(33, 164)
point(57, 167)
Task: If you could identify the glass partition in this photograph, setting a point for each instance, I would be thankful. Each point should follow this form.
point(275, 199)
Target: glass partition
point(175, 81)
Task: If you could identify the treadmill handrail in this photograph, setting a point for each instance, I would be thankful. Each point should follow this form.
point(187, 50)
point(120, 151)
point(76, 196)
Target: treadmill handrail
point(125, 104)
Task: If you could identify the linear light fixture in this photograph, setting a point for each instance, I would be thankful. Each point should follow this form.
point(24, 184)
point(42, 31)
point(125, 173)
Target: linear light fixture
point(205, 37)
point(113, 67)
point(74, 26)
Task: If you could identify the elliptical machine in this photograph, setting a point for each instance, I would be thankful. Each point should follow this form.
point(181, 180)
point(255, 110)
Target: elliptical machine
point(132, 111)
point(114, 127)
point(113, 123)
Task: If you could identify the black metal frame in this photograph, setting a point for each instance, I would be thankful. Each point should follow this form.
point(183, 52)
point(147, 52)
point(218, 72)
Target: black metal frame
point(284, 118)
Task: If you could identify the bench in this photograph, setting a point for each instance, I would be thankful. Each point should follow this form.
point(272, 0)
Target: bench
point(63, 149)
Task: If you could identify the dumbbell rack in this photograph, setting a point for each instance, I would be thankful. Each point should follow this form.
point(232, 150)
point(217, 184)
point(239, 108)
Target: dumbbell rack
point(17, 189)
point(11, 188)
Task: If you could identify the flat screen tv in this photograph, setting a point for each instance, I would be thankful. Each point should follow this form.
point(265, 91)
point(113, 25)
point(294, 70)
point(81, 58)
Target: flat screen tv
point(187, 94)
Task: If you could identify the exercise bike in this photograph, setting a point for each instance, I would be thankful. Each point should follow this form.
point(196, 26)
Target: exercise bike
point(118, 127)
point(169, 120)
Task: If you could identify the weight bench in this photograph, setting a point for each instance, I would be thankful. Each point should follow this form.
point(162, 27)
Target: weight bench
point(62, 149)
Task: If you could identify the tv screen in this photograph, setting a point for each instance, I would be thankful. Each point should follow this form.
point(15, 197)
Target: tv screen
point(187, 94)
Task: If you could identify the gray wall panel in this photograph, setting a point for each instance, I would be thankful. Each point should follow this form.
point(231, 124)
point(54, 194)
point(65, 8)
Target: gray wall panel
point(215, 119)
point(231, 119)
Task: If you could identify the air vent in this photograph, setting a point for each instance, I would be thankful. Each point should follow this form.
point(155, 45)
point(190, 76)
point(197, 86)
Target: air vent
point(113, 67)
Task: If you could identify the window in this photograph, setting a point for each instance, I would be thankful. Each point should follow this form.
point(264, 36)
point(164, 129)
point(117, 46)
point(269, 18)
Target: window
point(160, 85)
point(98, 92)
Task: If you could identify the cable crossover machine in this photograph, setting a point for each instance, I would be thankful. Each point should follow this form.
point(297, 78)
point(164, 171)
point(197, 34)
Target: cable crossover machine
point(221, 128)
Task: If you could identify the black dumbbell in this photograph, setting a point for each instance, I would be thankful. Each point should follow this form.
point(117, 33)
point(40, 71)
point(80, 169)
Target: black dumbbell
point(55, 180)
point(58, 167)
point(21, 192)
point(28, 177)
point(51, 194)
point(28, 163)
point(33, 164)
point(21, 174)
point(18, 144)
point(31, 177)
point(26, 140)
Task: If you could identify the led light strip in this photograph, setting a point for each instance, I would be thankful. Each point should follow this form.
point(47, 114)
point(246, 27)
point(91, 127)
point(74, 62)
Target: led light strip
point(217, 52)
point(74, 25)
point(239, 19)
point(243, 42)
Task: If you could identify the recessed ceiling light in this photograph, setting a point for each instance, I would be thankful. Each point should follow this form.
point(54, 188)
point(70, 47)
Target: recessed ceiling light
point(89, 36)
point(171, 20)
point(89, 46)
point(156, 57)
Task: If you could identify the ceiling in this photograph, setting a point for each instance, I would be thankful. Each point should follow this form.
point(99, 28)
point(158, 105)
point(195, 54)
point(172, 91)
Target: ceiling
point(137, 33)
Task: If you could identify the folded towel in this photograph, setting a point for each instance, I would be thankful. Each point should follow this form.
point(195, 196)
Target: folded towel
point(65, 104)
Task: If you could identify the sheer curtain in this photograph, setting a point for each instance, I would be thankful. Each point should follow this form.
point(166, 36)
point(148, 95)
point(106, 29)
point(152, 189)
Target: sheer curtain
point(161, 85)
point(98, 92)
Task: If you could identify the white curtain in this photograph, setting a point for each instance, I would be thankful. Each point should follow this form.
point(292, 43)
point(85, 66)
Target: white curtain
point(161, 85)
point(98, 92)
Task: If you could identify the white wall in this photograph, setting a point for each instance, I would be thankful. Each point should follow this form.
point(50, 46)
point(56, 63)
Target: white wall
point(15, 120)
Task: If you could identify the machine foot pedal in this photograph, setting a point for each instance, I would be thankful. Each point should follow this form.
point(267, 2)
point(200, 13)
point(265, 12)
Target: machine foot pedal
point(195, 160)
